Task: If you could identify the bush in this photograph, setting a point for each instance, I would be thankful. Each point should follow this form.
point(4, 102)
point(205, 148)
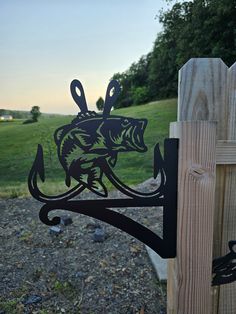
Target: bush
point(125, 102)
point(140, 95)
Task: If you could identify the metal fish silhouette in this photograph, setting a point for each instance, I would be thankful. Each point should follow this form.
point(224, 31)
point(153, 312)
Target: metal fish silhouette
point(92, 138)
point(88, 147)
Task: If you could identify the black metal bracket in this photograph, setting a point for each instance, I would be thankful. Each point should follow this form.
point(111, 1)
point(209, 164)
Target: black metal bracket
point(88, 149)
point(224, 267)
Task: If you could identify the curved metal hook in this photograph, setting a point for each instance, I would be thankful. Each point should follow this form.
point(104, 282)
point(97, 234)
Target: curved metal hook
point(131, 192)
point(38, 169)
point(158, 169)
point(79, 99)
point(110, 99)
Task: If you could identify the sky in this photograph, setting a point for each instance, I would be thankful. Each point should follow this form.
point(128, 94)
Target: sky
point(46, 44)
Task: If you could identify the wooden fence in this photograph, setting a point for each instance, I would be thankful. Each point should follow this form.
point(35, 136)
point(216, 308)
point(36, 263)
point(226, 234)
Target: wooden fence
point(206, 128)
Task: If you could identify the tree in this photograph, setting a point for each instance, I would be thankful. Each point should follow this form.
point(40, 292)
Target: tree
point(191, 29)
point(100, 104)
point(140, 95)
point(135, 77)
point(35, 113)
point(197, 28)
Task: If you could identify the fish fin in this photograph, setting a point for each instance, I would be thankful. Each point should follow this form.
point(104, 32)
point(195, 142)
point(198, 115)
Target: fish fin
point(112, 160)
point(95, 183)
point(83, 138)
point(98, 188)
point(68, 180)
point(58, 134)
point(84, 178)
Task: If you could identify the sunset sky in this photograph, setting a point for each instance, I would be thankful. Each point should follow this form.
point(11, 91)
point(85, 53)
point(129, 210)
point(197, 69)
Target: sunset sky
point(46, 44)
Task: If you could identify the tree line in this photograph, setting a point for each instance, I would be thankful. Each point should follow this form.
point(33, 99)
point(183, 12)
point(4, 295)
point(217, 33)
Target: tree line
point(197, 28)
point(17, 114)
point(31, 116)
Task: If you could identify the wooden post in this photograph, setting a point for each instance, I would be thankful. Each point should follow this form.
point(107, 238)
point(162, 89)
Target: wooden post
point(207, 91)
point(189, 281)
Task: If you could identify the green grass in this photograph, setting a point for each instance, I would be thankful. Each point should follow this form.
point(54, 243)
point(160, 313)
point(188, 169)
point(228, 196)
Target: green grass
point(19, 144)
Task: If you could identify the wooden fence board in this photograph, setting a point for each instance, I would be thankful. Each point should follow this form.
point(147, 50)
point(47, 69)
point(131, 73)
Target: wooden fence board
point(202, 92)
point(227, 293)
point(189, 287)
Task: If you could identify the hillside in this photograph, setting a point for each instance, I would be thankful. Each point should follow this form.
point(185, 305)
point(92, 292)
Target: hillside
point(19, 145)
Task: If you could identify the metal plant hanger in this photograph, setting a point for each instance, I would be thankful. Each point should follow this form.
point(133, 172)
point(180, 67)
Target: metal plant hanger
point(88, 150)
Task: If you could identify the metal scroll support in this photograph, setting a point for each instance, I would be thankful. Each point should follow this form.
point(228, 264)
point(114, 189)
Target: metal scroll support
point(88, 150)
point(224, 268)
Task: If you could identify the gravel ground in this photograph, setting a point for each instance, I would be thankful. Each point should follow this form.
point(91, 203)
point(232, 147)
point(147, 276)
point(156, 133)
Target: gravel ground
point(70, 272)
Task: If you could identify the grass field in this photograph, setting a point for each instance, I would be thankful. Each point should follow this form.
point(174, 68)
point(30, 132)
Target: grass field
point(18, 145)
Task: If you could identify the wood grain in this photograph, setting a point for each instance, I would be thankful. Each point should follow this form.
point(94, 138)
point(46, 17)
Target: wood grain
point(189, 278)
point(226, 152)
point(202, 92)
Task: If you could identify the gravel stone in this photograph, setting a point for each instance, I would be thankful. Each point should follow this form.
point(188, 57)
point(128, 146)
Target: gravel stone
point(92, 226)
point(32, 299)
point(55, 230)
point(99, 235)
point(116, 276)
point(80, 274)
point(66, 220)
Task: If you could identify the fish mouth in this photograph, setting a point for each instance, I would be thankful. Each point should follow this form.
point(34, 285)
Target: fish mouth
point(137, 133)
